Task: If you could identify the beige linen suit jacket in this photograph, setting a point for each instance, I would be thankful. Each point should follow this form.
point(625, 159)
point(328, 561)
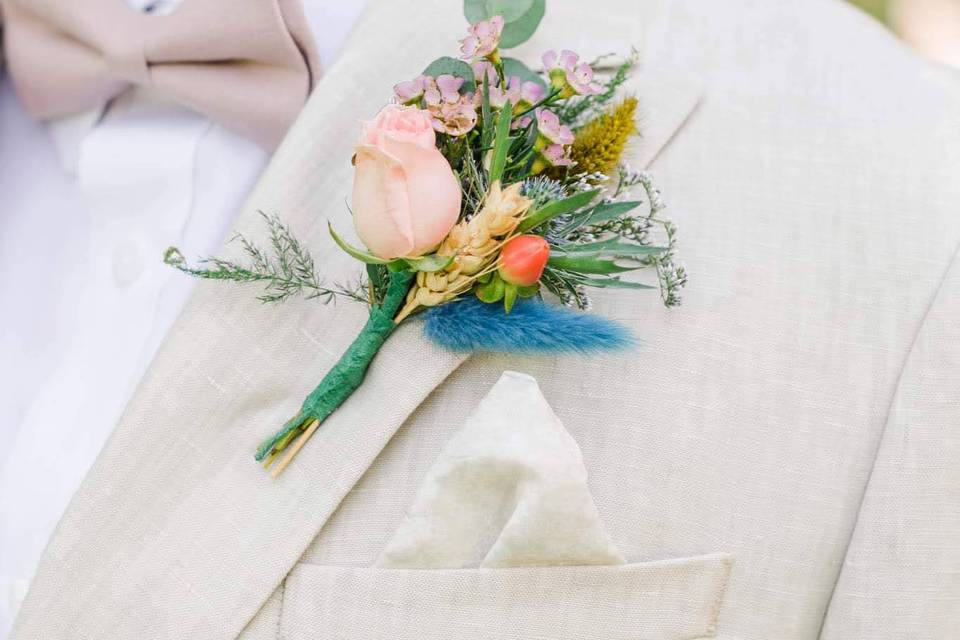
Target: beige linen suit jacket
point(778, 459)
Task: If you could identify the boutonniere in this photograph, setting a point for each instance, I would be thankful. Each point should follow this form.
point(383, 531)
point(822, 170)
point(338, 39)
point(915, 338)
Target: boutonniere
point(489, 198)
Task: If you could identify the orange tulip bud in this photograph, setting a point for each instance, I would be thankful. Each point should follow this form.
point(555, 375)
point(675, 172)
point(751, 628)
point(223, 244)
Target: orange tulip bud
point(523, 259)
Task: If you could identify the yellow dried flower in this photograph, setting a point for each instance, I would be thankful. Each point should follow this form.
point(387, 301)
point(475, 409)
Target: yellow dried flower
point(474, 245)
point(598, 145)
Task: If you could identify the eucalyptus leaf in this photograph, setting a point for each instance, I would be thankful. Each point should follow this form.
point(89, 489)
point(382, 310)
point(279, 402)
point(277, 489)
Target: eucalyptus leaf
point(429, 263)
point(516, 32)
point(477, 10)
point(513, 67)
point(521, 17)
point(360, 255)
point(556, 208)
point(454, 67)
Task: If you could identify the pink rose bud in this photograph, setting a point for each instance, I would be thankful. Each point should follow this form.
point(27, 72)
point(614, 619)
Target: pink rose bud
point(406, 197)
point(523, 259)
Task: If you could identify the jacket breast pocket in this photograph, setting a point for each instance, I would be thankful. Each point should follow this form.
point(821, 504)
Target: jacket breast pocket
point(676, 599)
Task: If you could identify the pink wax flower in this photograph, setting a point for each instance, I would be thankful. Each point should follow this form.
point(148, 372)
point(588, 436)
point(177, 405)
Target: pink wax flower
point(450, 112)
point(556, 155)
point(520, 93)
point(552, 142)
point(483, 39)
point(406, 197)
point(445, 88)
point(568, 75)
point(455, 119)
point(531, 93)
point(483, 68)
point(499, 96)
point(410, 91)
point(521, 122)
point(548, 124)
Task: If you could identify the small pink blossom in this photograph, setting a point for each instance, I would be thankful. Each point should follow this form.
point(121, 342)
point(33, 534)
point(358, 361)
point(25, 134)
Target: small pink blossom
point(411, 91)
point(569, 75)
point(548, 124)
point(445, 88)
point(483, 38)
point(499, 96)
point(483, 68)
point(531, 93)
point(521, 123)
point(556, 155)
point(553, 141)
point(455, 119)
point(450, 112)
point(518, 92)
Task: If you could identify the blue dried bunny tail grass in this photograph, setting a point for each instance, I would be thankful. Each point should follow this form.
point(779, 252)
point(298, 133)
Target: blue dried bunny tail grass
point(531, 327)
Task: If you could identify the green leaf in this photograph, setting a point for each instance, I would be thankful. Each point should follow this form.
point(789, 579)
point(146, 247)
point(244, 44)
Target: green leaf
point(398, 265)
point(173, 257)
point(613, 282)
point(521, 17)
point(429, 263)
point(601, 213)
point(376, 281)
point(516, 32)
point(509, 296)
point(501, 143)
point(486, 115)
point(596, 263)
point(612, 247)
point(611, 210)
point(491, 292)
point(454, 67)
point(513, 67)
point(556, 208)
point(530, 291)
point(362, 256)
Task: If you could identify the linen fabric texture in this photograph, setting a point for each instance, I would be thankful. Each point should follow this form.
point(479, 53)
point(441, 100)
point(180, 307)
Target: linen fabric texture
point(793, 421)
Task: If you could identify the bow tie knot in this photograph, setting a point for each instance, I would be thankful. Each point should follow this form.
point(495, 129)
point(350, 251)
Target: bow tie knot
point(127, 62)
point(249, 64)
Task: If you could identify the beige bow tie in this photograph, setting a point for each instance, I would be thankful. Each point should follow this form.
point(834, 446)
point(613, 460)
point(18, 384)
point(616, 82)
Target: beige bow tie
point(249, 64)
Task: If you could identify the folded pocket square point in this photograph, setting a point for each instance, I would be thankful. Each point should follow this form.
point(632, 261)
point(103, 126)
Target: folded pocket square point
point(509, 489)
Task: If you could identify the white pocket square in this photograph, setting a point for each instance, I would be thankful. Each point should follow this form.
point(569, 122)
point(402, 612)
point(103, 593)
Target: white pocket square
point(478, 555)
point(508, 490)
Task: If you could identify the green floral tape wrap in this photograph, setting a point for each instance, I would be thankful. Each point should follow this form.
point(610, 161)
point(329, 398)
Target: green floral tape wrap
point(348, 373)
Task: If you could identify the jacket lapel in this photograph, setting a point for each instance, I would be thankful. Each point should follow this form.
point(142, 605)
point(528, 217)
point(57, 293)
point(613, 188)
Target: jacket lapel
point(176, 532)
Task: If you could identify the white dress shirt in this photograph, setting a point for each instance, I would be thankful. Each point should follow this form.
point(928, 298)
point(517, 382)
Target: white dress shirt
point(90, 204)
